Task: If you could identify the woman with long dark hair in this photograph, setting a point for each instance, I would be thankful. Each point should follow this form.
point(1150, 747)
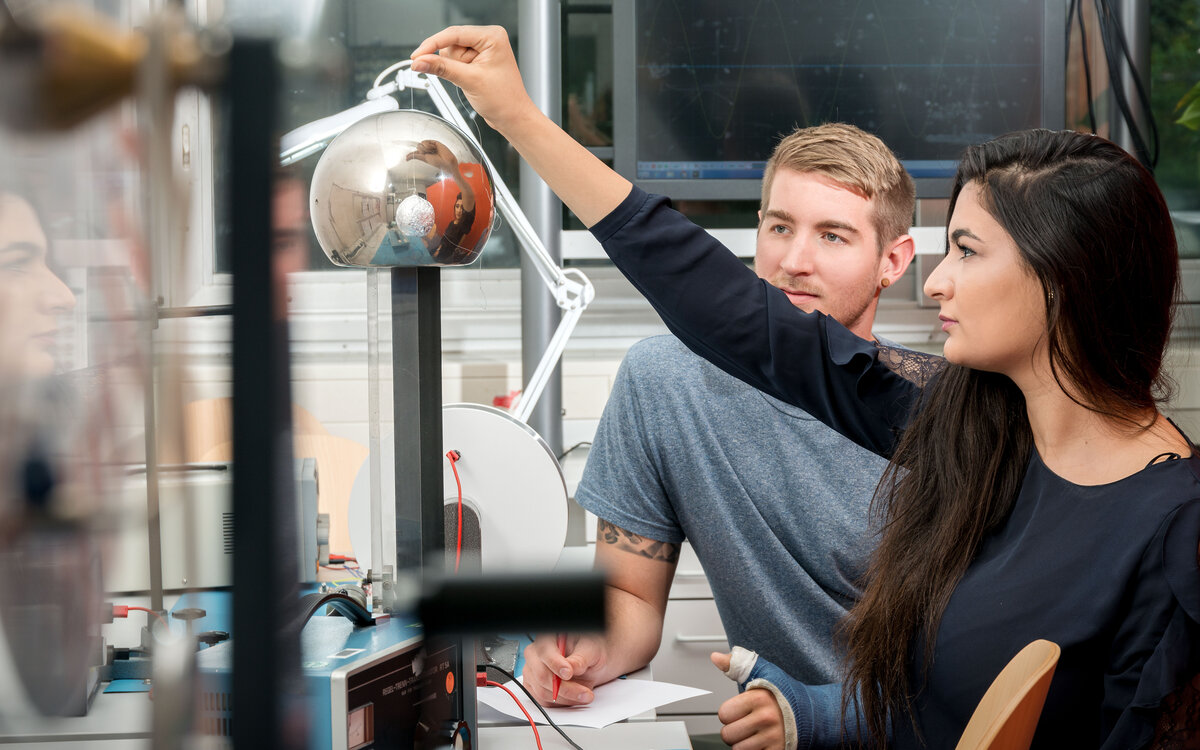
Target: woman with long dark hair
point(1035, 492)
point(1041, 491)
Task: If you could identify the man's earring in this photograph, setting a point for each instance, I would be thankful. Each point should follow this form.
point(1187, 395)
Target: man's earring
point(885, 282)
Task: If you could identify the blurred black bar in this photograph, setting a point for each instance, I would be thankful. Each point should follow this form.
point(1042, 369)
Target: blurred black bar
point(548, 602)
point(265, 649)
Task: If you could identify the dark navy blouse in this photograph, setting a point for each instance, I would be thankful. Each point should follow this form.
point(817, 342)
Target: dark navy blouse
point(1107, 572)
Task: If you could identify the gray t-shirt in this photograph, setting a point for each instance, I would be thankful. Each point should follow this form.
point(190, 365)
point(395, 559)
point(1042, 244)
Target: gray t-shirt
point(774, 502)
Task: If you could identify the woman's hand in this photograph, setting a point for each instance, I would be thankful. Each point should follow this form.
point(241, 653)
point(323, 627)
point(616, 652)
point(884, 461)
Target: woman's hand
point(752, 719)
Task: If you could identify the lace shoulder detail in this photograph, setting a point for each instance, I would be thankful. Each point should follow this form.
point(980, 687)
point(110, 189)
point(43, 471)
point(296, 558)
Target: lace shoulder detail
point(1179, 721)
point(915, 367)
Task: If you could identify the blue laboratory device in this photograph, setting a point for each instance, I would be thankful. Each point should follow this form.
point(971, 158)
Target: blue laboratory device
point(363, 686)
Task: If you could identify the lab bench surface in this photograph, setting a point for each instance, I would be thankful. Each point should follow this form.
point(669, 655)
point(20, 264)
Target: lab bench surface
point(121, 721)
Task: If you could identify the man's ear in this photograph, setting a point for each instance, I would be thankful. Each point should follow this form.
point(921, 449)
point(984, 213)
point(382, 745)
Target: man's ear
point(896, 257)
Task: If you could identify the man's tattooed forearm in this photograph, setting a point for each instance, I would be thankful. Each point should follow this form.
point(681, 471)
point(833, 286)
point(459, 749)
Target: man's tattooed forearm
point(623, 539)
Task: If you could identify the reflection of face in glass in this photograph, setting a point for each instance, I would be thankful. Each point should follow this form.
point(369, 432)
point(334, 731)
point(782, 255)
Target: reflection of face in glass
point(32, 297)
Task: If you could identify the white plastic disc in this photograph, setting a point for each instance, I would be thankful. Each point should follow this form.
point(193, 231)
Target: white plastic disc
point(509, 475)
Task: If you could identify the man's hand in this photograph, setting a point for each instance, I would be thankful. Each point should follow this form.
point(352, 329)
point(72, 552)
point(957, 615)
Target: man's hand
point(577, 670)
point(480, 61)
point(752, 719)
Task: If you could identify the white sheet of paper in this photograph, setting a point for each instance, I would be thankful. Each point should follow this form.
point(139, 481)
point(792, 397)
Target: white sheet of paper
point(614, 701)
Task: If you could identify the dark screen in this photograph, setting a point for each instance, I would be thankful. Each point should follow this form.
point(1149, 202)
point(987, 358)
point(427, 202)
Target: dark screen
point(719, 82)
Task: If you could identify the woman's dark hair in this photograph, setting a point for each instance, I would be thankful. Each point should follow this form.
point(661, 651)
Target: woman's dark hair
point(1091, 225)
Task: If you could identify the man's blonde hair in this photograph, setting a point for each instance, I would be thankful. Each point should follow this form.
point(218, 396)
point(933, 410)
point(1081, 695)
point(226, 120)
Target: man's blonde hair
point(856, 160)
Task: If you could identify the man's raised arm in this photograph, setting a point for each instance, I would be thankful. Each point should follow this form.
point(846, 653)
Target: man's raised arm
point(479, 60)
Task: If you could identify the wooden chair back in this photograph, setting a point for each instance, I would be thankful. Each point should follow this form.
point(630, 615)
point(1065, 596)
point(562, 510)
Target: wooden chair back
point(1008, 713)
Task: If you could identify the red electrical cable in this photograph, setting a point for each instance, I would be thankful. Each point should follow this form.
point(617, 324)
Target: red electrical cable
point(521, 706)
point(454, 456)
point(147, 609)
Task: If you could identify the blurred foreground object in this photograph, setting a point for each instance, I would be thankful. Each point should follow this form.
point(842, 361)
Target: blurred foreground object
point(61, 65)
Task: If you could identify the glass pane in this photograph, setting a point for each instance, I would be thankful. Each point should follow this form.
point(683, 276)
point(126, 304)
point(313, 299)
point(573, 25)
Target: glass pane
point(588, 74)
point(1175, 67)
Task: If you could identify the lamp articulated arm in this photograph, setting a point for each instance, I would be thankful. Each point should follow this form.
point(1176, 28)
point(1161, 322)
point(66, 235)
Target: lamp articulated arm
point(571, 289)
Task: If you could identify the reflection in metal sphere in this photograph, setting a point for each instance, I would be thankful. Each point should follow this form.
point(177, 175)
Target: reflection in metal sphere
point(402, 188)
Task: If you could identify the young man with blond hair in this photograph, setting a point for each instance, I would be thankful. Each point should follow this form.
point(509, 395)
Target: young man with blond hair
point(774, 503)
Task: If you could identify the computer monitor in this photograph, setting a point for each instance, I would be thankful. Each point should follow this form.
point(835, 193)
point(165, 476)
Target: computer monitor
point(704, 89)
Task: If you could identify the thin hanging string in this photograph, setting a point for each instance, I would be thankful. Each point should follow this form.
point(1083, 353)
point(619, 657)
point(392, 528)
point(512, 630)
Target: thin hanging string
point(470, 116)
point(412, 170)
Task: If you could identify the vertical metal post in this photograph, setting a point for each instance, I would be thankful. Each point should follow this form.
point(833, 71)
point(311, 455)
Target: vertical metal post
point(417, 437)
point(417, 415)
point(540, 42)
point(266, 665)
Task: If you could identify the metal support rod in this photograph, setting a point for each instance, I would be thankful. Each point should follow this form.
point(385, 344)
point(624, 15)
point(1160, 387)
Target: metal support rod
point(153, 514)
point(156, 107)
point(196, 311)
point(374, 457)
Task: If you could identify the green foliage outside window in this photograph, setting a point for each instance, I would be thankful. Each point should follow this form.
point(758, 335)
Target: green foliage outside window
point(1175, 100)
point(1190, 104)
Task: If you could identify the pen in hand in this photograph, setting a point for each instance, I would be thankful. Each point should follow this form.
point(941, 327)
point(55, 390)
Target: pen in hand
point(557, 681)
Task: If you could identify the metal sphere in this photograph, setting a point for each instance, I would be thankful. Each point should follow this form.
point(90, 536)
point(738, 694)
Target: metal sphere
point(402, 188)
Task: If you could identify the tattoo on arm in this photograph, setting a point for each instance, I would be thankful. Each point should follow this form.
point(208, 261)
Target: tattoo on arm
point(622, 539)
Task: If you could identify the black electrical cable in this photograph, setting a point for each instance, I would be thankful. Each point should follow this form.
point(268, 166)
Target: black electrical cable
point(1116, 49)
point(1143, 96)
point(1115, 81)
point(556, 727)
point(580, 444)
point(1119, 34)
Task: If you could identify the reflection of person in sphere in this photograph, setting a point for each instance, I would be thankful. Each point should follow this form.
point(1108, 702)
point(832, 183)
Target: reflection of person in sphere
point(32, 296)
point(448, 248)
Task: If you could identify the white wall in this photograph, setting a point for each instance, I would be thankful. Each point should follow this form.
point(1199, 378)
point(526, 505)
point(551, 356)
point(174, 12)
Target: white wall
point(481, 348)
